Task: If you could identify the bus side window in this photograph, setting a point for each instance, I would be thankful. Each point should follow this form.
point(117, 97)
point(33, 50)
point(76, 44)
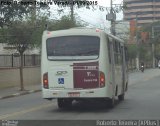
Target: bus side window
point(117, 48)
point(120, 48)
point(109, 50)
point(121, 52)
point(116, 52)
point(126, 54)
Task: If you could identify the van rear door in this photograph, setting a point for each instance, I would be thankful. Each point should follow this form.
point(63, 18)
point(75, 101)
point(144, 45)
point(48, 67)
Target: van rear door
point(86, 75)
point(61, 76)
point(71, 58)
point(75, 76)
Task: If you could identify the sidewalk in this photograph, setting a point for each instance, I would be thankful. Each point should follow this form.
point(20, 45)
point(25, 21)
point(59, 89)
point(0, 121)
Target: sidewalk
point(15, 91)
point(138, 76)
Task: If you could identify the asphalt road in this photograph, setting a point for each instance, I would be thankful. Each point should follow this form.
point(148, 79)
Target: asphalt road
point(142, 101)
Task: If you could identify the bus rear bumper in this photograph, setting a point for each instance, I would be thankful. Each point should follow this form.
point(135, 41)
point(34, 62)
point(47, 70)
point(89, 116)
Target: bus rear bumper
point(76, 94)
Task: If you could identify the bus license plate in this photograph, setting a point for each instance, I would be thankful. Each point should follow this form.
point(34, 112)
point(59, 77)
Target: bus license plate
point(74, 94)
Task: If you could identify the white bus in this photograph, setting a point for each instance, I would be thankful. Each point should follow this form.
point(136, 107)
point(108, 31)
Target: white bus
point(83, 63)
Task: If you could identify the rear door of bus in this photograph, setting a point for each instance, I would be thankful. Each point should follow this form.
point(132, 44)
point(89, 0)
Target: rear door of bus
point(73, 62)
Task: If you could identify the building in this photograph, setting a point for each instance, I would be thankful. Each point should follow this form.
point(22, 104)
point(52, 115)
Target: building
point(8, 51)
point(145, 11)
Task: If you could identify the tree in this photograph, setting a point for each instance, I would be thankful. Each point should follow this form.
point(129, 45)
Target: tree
point(144, 53)
point(19, 37)
point(38, 26)
point(132, 51)
point(154, 31)
point(157, 51)
point(64, 23)
point(22, 26)
point(24, 35)
point(12, 10)
point(27, 34)
point(3, 37)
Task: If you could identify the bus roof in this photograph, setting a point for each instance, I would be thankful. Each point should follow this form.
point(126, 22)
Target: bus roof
point(73, 31)
point(79, 31)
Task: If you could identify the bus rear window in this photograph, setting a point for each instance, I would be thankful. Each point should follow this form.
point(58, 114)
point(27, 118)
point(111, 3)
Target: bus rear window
point(73, 47)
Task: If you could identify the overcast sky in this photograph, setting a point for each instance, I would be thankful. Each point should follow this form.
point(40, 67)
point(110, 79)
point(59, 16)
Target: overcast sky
point(96, 18)
point(106, 3)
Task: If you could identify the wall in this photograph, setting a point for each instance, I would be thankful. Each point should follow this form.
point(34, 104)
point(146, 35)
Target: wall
point(10, 77)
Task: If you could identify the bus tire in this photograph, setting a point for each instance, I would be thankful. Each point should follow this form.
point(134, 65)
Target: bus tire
point(64, 103)
point(126, 88)
point(121, 97)
point(60, 103)
point(111, 103)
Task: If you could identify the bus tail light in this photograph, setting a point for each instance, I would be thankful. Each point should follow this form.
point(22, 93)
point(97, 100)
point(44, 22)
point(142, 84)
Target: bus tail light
point(102, 79)
point(45, 80)
point(97, 30)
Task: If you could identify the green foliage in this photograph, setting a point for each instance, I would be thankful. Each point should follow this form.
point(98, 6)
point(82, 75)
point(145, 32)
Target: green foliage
point(38, 27)
point(64, 23)
point(11, 11)
point(145, 52)
point(19, 35)
point(3, 37)
point(157, 51)
point(28, 33)
point(148, 28)
point(156, 40)
point(132, 51)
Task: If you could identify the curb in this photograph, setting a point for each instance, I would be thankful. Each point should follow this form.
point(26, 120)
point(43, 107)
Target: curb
point(133, 71)
point(19, 94)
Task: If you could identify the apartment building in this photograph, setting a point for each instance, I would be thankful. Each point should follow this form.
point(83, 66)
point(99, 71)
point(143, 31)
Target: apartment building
point(145, 11)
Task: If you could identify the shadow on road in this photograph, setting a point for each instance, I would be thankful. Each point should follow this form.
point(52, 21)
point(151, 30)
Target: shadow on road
point(88, 106)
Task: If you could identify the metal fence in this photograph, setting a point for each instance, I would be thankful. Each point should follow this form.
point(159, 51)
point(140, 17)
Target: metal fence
point(14, 61)
point(34, 60)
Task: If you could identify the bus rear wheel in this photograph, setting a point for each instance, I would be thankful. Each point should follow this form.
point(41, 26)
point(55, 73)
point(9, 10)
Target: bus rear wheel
point(64, 103)
point(111, 103)
point(121, 97)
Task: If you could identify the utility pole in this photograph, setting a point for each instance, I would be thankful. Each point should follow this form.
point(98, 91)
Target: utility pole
point(154, 36)
point(112, 17)
point(113, 20)
point(137, 44)
point(72, 10)
point(153, 54)
point(153, 46)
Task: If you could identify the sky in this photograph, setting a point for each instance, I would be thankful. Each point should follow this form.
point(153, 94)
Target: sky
point(106, 3)
point(97, 18)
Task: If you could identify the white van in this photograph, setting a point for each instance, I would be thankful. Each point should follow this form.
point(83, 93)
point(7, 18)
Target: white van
point(82, 63)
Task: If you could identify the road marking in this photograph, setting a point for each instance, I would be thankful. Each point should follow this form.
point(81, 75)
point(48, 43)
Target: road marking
point(16, 94)
point(25, 111)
